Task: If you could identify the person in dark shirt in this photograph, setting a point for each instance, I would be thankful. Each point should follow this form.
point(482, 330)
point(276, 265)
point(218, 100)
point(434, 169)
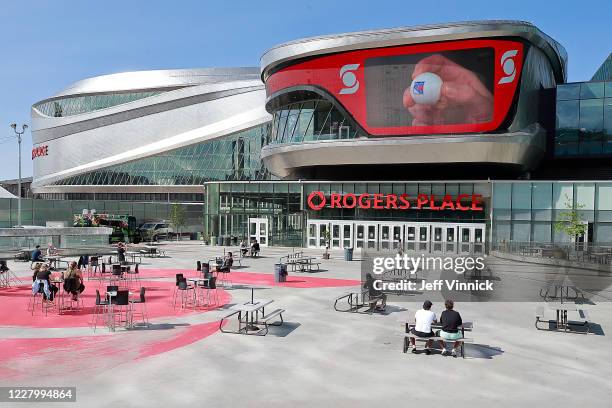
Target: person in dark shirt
point(450, 321)
point(227, 263)
point(37, 255)
point(375, 295)
point(43, 277)
point(255, 248)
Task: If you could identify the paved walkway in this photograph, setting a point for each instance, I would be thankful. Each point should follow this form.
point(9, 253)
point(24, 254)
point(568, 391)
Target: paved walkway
point(319, 358)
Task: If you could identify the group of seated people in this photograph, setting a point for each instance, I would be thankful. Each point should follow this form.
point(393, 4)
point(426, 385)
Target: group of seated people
point(253, 250)
point(450, 320)
point(72, 281)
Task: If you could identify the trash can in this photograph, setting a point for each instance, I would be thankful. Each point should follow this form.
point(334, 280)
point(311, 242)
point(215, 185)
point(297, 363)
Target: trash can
point(206, 269)
point(227, 240)
point(348, 254)
point(219, 240)
point(280, 272)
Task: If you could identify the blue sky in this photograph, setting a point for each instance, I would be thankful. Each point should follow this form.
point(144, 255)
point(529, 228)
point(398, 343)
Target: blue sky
point(46, 45)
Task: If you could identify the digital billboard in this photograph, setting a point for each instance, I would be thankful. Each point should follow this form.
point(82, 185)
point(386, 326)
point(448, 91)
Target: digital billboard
point(451, 87)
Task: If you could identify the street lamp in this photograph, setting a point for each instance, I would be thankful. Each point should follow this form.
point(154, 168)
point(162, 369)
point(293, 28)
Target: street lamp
point(18, 134)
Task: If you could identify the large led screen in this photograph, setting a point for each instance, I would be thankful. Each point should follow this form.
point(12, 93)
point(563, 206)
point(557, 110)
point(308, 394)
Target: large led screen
point(451, 87)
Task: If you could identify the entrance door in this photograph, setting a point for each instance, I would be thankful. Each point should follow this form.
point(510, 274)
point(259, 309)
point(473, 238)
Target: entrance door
point(341, 235)
point(450, 238)
point(390, 236)
point(366, 235)
point(437, 238)
point(423, 238)
point(316, 233)
point(259, 230)
point(471, 238)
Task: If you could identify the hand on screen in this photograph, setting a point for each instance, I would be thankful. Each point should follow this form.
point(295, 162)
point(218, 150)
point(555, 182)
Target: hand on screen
point(463, 97)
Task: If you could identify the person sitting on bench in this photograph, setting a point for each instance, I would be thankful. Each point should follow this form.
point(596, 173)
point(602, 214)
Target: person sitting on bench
point(227, 263)
point(450, 321)
point(244, 248)
point(255, 248)
point(423, 318)
point(375, 295)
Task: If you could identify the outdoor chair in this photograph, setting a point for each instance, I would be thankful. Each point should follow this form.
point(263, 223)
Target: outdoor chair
point(211, 286)
point(133, 275)
point(121, 304)
point(99, 309)
point(186, 292)
point(143, 307)
point(39, 298)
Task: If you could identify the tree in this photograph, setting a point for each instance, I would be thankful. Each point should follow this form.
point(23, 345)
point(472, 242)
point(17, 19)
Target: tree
point(177, 217)
point(570, 221)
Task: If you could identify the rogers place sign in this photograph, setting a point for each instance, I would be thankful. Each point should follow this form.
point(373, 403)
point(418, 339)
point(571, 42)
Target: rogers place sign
point(40, 151)
point(317, 200)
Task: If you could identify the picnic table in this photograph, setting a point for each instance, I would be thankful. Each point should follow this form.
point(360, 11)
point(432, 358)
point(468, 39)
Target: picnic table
point(562, 322)
point(248, 314)
point(55, 260)
point(561, 292)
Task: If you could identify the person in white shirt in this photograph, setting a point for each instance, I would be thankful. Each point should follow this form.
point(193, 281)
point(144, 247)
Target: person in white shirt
point(51, 250)
point(423, 318)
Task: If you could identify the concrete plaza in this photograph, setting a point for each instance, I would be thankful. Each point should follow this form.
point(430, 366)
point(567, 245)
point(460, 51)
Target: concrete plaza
point(320, 357)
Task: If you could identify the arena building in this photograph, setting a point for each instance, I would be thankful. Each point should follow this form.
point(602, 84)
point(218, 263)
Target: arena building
point(444, 138)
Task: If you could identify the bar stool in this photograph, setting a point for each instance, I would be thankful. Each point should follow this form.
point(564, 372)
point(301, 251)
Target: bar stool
point(100, 306)
point(39, 297)
point(133, 275)
point(143, 307)
point(184, 289)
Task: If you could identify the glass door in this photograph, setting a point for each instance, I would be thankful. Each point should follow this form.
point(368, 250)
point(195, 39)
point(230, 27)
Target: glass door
point(322, 231)
point(437, 238)
point(385, 237)
point(312, 235)
point(465, 239)
point(347, 235)
point(410, 241)
point(259, 230)
point(372, 236)
point(341, 235)
point(423, 238)
point(390, 236)
point(450, 239)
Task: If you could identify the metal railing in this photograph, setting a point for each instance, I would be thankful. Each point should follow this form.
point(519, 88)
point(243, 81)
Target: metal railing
point(584, 252)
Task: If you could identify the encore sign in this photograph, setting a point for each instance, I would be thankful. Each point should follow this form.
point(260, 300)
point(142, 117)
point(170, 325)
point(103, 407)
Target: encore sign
point(40, 151)
point(317, 200)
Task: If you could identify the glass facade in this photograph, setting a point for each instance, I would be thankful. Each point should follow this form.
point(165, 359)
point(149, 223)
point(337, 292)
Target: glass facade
point(584, 119)
point(604, 72)
point(311, 120)
point(76, 105)
point(229, 206)
point(527, 211)
point(234, 157)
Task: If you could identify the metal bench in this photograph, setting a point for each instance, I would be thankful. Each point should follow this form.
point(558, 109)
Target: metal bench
point(355, 301)
point(270, 316)
point(434, 339)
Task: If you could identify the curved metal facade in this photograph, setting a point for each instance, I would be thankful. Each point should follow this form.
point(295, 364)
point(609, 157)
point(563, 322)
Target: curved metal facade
point(111, 120)
point(508, 63)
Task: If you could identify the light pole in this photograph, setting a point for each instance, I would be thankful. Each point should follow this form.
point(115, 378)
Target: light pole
point(18, 133)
